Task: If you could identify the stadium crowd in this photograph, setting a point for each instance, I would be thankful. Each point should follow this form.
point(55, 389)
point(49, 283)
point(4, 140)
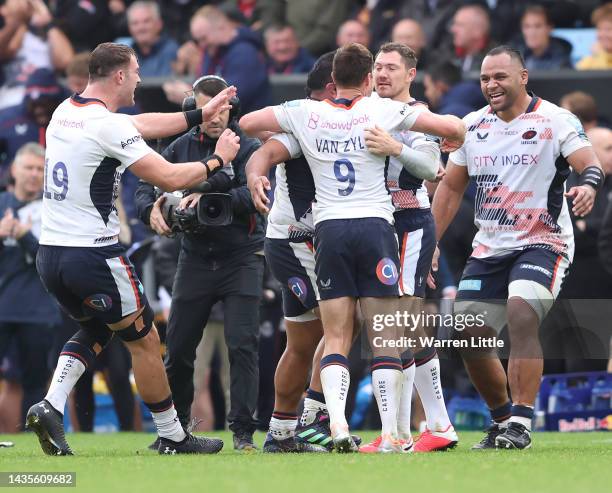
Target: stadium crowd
point(45, 47)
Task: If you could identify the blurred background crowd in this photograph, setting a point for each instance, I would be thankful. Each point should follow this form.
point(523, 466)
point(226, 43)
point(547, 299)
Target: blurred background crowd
point(256, 45)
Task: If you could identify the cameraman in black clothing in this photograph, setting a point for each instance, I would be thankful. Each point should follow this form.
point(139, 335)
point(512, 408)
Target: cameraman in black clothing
point(220, 263)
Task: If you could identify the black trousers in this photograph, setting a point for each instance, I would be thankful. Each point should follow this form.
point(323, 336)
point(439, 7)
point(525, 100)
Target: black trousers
point(32, 341)
point(197, 287)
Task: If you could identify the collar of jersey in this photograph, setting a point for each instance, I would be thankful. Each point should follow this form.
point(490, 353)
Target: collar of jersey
point(77, 100)
point(534, 104)
point(347, 104)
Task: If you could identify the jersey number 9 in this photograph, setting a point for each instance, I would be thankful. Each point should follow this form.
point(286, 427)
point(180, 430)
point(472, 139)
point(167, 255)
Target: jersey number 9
point(60, 180)
point(349, 176)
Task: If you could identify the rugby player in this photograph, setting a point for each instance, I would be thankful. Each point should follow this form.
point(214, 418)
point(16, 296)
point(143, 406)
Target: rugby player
point(414, 156)
point(80, 260)
point(518, 149)
point(356, 249)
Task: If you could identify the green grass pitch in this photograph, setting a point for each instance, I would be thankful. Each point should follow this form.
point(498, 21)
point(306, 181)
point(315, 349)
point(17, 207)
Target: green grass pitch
point(118, 463)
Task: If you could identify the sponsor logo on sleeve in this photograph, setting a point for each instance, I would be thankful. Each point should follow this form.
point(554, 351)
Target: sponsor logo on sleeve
point(130, 141)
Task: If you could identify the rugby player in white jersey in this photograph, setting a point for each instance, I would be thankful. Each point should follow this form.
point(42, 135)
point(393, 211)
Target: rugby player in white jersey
point(519, 150)
point(80, 260)
point(414, 156)
point(290, 255)
point(355, 245)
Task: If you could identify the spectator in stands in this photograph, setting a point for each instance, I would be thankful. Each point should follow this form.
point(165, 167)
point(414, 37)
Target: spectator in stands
point(602, 58)
point(409, 32)
point(232, 52)
point(28, 120)
point(29, 323)
point(447, 94)
point(353, 31)
point(87, 23)
point(315, 22)
point(285, 56)
point(37, 43)
point(541, 50)
point(77, 74)
point(582, 105)
point(156, 52)
point(432, 16)
point(471, 30)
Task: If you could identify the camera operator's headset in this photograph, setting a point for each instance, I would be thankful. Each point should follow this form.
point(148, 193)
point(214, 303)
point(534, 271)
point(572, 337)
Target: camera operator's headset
point(189, 103)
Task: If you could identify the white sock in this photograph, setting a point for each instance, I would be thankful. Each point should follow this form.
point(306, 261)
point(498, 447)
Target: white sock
point(168, 425)
point(504, 424)
point(403, 418)
point(427, 382)
point(282, 429)
point(311, 408)
point(387, 384)
point(335, 380)
point(526, 422)
point(67, 373)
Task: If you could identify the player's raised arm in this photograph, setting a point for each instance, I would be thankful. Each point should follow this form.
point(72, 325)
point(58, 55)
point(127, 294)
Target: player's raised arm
point(260, 121)
point(154, 169)
point(160, 125)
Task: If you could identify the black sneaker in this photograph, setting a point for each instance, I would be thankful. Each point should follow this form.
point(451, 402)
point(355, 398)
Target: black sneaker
point(318, 432)
point(243, 441)
point(155, 444)
point(190, 427)
point(488, 442)
point(290, 445)
point(191, 444)
point(516, 436)
point(48, 424)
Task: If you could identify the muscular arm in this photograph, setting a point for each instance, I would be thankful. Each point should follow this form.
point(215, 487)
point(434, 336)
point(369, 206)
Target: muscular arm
point(258, 168)
point(154, 169)
point(446, 126)
point(160, 125)
point(259, 121)
point(583, 196)
point(448, 197)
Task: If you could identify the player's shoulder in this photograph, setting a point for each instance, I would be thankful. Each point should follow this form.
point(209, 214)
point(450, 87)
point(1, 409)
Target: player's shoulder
point(477, 116)
point(554, 112)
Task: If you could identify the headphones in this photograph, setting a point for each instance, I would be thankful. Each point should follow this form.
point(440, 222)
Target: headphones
point(189, 103)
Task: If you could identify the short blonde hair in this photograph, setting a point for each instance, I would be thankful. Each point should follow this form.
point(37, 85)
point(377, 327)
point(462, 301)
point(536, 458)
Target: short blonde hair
point(603, 13)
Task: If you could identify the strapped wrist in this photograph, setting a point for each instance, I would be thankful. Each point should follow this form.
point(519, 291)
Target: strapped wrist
point(592, 176)
point(193, 118)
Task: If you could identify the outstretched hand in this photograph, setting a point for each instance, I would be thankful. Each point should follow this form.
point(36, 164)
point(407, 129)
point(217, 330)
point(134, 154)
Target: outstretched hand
point(583, 199)
point(219, 103)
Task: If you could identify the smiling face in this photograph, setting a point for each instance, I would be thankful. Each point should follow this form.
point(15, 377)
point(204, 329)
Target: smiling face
point(282, 45)
point(391, 76)
point(502, 81)
point(144, 25)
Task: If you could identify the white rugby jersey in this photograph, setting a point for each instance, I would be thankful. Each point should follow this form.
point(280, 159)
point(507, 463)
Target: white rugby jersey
point(88, 148)
point(291, 213)
point(408, 191)
point(349, 180)
point(520, 175)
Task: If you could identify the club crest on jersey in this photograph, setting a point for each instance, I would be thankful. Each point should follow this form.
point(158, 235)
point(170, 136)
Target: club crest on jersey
point(298, 288)
point(527, 137)
point(99, 302)
point(386, 271)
